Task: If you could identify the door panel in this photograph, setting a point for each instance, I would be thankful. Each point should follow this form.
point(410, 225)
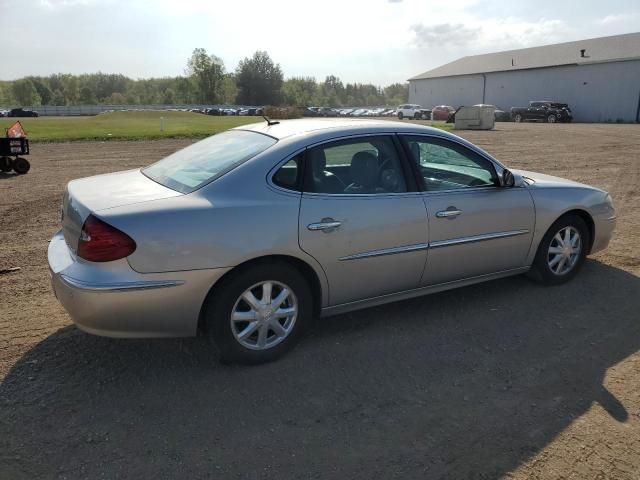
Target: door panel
point(492, 232)
point(378, 248)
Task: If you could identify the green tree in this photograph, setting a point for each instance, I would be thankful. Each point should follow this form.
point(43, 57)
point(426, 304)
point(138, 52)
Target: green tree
point(71, 89)
point(299, 91)
point(87, 96)
point(169, 96)
point(116, 98)
point(208, 72)
point(229, 89)
point(397, 93)
point(58, 98)
point(259, 80)
point(25, 92)
point(44, 92)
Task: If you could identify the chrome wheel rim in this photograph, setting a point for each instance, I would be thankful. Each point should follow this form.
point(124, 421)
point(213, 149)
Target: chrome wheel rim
point(264, 315)
point(552, 119)
point(518, 118)
point(564, 250)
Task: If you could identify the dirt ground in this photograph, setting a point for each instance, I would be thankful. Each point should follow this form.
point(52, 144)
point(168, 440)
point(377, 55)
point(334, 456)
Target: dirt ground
point(506, 379)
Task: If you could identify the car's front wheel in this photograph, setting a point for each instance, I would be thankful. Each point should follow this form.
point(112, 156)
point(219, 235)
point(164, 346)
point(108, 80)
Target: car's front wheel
point(552, 118)
point(562, 251)
point(517, 118)
point(259, 313)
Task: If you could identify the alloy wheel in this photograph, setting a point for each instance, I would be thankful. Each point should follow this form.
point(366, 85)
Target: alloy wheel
point(564, 250)
point(264, 315)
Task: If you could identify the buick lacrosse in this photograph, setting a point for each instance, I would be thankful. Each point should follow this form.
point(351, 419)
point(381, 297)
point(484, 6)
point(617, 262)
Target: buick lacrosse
point(249, 234)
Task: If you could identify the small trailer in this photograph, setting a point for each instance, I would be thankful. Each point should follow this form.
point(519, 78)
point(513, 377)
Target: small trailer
point(13, 145)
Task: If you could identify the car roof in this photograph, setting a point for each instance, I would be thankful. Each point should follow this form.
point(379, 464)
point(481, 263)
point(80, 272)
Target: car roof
point(289, 128)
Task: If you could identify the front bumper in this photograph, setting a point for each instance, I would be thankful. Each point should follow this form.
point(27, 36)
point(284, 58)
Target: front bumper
point(111, 299)
point(603, 229)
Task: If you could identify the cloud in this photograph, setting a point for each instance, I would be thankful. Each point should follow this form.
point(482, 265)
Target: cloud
point(395, 1)
point(444, 34)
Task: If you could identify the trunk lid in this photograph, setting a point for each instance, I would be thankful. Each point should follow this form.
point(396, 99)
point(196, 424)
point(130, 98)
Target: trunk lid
point(93, 194)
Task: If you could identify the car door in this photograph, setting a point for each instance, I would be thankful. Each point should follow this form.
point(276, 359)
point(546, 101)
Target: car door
point(362, 219)
point(476, 227)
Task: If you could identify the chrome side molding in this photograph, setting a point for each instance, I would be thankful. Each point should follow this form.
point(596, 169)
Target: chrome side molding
point(102, 287)
point(436, 244)
point(476, 238)
point(386, 251)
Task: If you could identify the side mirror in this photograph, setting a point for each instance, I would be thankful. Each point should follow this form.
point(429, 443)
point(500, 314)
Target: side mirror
point(508, 180)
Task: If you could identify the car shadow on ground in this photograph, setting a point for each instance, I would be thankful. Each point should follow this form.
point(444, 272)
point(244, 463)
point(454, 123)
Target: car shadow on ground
point(468, 383)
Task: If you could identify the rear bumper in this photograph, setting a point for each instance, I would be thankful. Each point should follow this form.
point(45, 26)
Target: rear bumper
point(111, 299)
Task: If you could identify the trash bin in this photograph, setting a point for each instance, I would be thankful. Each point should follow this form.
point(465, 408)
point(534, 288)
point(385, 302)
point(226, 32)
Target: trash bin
point(478, 117)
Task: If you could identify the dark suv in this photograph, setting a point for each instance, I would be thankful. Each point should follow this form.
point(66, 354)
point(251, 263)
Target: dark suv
point(544, 111)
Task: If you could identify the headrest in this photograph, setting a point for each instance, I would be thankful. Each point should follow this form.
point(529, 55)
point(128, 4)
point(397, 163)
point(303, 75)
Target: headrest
point(317, 161)
point(364, 169)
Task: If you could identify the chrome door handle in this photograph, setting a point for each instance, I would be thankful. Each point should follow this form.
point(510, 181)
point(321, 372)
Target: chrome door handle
point(326, 226)
point(448, 213)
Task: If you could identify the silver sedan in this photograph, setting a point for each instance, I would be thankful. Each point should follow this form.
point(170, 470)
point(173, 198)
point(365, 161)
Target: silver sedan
point(249, 234)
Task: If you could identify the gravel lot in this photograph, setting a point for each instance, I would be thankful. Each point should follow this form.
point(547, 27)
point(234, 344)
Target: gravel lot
point(505, 379)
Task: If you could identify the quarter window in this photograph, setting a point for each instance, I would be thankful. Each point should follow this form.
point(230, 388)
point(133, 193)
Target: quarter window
point(445, 165)
point(288, 175)
point(352, 167)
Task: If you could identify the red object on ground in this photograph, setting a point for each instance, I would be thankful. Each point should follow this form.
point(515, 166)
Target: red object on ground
point(16, 131)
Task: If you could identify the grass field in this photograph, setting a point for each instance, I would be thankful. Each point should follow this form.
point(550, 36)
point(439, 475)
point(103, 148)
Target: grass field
point(126, 126)
point(132, 126)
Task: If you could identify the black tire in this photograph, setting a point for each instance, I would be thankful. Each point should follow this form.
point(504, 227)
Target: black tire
point(417, 116)
point(6, 164)
point(540, 270)
point(400, 116)
point(517, 118)
point(552, 118)
point(220, 305)
point(21, 165)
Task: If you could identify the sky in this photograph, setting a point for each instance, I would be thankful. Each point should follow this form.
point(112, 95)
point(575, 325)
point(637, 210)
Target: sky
point(374, 41)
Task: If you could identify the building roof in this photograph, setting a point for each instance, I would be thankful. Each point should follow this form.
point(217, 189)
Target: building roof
point(596, 50)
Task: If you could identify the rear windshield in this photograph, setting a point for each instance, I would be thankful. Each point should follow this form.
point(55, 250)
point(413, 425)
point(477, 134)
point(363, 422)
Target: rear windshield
point(190, 168)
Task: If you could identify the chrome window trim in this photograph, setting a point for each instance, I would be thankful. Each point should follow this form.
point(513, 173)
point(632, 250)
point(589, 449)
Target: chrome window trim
point(476, 238)
point(118, 286)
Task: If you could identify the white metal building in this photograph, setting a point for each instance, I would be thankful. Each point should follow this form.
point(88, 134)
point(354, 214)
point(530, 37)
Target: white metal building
point(599, 78)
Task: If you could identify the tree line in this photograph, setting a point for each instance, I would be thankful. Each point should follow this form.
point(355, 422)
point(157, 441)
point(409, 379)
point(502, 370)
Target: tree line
point(257, 80)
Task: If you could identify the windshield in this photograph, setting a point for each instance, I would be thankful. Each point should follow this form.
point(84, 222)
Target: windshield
point(190, 168)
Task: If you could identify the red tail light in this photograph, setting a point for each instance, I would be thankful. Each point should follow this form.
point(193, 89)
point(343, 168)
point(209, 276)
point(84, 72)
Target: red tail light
point(100, 242)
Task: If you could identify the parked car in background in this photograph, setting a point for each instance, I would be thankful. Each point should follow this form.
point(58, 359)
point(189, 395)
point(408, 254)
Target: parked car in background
point(247, 235)
point(21, 112)
point(327, 112)
point(409, 110)
point(542, 111)
point(4, 113)
point(442, 112)
point(501, 115)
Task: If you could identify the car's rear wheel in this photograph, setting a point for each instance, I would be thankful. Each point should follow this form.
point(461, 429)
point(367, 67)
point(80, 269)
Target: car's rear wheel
point(400, 116)
point(552, 118)
point(517, 118)
point(259, 313)
point(562, 251)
